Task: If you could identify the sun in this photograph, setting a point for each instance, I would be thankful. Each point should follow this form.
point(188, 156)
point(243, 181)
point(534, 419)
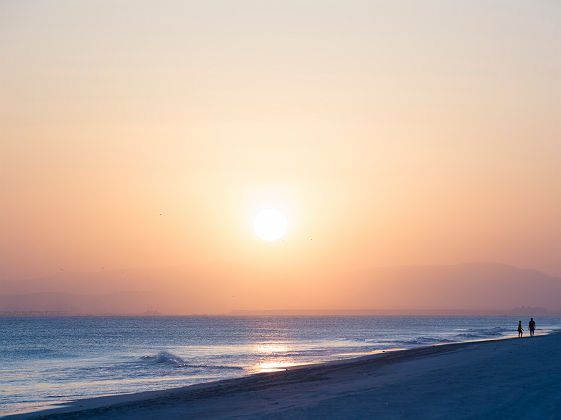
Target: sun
point(270, 224)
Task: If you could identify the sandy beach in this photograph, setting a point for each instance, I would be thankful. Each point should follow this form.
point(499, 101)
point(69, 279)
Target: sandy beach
point(502, 379)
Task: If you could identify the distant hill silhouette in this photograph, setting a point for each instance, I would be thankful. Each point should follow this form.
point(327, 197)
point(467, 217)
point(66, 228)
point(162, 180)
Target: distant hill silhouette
point(75, 304)
point(471, 288)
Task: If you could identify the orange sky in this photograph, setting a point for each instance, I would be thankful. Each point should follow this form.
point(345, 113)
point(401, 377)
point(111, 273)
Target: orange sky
point(143, 136)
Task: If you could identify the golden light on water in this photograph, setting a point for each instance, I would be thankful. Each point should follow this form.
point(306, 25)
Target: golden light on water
point(278, 365)
point(275, 366)
point(271, 348)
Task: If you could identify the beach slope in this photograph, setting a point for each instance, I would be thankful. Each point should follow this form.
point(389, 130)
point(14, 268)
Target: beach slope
point(502, 379)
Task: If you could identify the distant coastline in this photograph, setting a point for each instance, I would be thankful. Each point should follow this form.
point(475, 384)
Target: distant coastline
point(520, 311)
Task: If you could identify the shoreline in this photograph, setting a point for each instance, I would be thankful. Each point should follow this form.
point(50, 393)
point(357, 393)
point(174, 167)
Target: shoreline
point(303, 387)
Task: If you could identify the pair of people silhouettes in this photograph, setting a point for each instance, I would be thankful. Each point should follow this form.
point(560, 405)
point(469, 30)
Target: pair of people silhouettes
point(531, 327)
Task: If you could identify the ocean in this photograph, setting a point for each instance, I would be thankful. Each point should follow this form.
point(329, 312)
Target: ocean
point(45, 361)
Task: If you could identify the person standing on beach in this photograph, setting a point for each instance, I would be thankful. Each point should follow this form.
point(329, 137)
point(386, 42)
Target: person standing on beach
point(520, 329)
point(532, 326)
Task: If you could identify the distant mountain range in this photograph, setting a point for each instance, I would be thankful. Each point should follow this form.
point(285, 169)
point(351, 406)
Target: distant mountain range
point(473, 286)
point(61, 303)
point(467, 289)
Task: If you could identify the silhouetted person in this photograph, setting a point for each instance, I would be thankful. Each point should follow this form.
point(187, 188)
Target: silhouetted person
point(520, 329)
point(532, 326)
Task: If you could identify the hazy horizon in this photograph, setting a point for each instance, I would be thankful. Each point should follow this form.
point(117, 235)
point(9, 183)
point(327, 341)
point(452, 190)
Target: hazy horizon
point(140, 142)
point(484, 288)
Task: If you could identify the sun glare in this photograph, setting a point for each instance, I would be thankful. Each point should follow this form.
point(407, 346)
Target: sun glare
point(270, 224)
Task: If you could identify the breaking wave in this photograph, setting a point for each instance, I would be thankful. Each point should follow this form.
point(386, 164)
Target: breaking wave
point(165, 357)
point(170, 359)
point(482, 332)
point(426, 340)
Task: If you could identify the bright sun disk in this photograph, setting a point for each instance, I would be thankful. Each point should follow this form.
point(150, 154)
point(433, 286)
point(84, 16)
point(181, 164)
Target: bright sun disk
point(270, 224)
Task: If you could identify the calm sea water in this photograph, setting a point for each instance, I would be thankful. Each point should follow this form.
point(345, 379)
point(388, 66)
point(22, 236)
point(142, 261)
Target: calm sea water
point(45, 361)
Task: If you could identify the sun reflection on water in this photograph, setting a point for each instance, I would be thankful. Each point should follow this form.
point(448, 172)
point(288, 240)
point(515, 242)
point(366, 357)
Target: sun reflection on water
point(275, 366)
point(271, 348)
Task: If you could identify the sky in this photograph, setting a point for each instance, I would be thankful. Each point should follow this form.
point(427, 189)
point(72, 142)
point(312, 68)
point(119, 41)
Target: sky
point(141, 135)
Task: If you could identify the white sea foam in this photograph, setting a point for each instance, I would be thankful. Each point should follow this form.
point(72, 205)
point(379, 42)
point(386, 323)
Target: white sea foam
point(165, 357)
point(168, 358)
